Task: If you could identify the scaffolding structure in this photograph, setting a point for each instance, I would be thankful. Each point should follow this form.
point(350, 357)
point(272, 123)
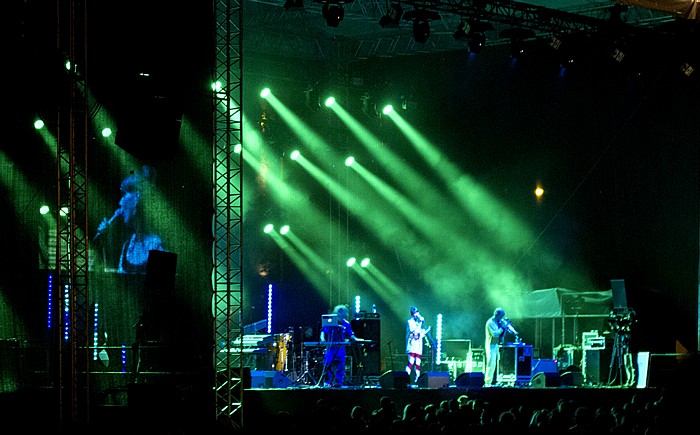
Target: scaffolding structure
point(227, 249)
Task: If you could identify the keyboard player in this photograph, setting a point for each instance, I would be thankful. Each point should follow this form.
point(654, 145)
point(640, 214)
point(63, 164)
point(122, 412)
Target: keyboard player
point(336, 335)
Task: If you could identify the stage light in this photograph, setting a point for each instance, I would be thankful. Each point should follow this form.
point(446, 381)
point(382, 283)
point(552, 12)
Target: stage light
point(421, 23)
point(392, 18)
point(477, 41)
point(517, 38)
point(474, 33)
point(555, 42)
point(476, 38)
point(687, 69)
point(333, 13)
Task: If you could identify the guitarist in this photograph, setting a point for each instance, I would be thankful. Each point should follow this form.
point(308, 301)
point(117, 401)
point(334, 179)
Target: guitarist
point(415, 334)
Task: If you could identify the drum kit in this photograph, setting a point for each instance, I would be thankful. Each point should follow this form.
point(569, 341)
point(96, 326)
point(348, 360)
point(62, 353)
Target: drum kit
point(302, 364)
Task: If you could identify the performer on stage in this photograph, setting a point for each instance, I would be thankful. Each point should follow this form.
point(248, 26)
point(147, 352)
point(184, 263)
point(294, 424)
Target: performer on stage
point(334, 358)
point(135, 217)
point(415, 334)
point(496, 328)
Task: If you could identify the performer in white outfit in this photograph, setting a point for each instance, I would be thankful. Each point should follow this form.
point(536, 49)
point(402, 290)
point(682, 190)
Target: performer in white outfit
point(415, 334)
point(496, 328)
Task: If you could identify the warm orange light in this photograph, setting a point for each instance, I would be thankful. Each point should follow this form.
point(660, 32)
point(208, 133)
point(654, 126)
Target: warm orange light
point(539, 192)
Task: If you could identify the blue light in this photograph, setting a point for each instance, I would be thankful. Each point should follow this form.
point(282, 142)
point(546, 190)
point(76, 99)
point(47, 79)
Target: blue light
point(49, 304)
point(66, 313)
point(95, 338)
point(269, 308)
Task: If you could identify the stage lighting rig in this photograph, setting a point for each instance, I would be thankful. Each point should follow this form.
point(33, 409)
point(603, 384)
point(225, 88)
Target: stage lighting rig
point(421, 23)
point(333, 11)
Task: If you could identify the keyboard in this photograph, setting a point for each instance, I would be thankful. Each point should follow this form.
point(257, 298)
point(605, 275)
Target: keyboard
point(334, 343)
point(326, 343)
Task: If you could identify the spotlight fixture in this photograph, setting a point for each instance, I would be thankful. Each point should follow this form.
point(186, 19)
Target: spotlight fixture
point(421, 23)
point(476, 37)
point(517, 38)
point(555, 42)
point(392, 18)
point(333, 11)
point(687, 69)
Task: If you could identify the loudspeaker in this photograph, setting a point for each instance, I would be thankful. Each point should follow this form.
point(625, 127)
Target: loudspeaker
point(470, 380)
point(540, 365)
point(544, 379)
point(268, 379)
point(434, 380)
point(369, 329)
point(661, 367)
point(572, 379)
point(370, 360)
point(394, 379)
point(160, 320)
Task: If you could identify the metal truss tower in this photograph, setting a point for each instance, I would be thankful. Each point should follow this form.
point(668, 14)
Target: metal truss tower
point(71, 337)
point(227, 250)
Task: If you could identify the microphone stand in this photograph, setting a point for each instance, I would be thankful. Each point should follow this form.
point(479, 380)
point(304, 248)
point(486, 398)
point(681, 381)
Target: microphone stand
point(391, 355)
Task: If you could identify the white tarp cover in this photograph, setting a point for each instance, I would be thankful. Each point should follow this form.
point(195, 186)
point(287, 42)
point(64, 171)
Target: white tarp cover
point(555, 302)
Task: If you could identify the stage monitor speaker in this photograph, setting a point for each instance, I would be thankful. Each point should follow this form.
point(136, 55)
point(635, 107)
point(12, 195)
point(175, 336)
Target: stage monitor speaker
point(544, 379)
point(268, 379)
point(394, 379)
point(434, 380)
point(572, 379)
point(540, 365)
point(470, 380)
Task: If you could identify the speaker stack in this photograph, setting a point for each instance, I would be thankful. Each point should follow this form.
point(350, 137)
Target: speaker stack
point(368, 363)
